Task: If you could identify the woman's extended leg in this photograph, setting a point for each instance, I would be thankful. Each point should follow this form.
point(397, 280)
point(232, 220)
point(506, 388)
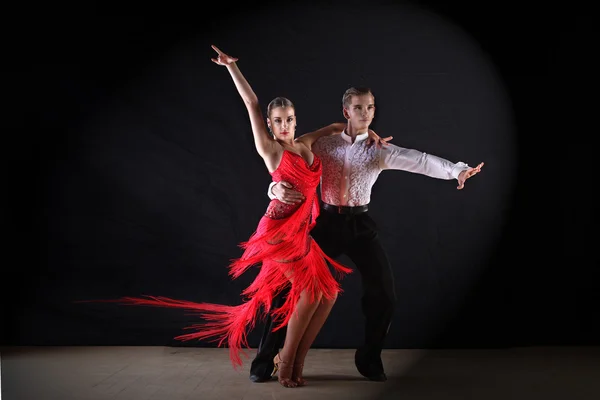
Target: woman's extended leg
point(312, 330)
point(296, 328)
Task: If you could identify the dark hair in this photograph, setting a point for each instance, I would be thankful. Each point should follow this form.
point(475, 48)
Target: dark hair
point(354, 91)
point(279, 102)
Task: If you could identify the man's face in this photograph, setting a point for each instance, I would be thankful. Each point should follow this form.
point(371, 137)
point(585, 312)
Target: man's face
point(361, 111)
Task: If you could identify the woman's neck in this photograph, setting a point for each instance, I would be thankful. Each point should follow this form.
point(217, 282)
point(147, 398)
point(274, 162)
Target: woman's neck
point(289, 143)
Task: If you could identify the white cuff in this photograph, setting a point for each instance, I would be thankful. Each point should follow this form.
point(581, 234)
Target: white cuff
point(269, 192)
point(458, 168)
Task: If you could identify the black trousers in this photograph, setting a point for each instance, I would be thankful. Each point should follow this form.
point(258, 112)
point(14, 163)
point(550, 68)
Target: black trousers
point(357, 237)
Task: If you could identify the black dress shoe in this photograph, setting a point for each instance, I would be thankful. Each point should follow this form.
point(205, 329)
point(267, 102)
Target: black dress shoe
point(261, 372)
point(369, 367)
point(377, 377)
point(260, 378)
point(372, 374)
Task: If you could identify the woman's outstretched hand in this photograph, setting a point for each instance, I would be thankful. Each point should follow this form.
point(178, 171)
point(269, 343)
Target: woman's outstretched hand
point(374, 138)
point(222, 58)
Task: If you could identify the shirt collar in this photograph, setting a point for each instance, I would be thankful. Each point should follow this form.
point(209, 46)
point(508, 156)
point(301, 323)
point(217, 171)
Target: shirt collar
point(359, 138)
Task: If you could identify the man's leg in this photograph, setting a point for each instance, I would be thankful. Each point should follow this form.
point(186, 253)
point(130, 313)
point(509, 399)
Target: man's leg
point(270, 343)
point(378, 298)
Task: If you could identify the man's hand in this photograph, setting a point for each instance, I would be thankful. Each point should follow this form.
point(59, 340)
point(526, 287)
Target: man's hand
point(374, 138)
point(283, 192)
point(466, 174)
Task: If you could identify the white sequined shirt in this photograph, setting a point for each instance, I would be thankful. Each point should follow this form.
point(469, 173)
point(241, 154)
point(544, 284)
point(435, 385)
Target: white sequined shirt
point(351, 169)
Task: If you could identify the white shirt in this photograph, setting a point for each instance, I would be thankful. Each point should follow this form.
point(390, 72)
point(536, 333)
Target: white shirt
point(351, 169)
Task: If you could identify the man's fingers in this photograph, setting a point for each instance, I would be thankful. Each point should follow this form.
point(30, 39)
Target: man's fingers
point(291, 201)
point(292, 198)
point(292, 193)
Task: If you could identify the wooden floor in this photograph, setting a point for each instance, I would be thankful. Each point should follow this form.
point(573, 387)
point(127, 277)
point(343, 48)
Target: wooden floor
point(174, 373)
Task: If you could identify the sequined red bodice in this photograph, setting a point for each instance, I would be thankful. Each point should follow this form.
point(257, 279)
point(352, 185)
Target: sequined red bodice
point(303, 177)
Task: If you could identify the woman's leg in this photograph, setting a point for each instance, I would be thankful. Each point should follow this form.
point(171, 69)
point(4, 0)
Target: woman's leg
point(296, 328)
point(312, 330)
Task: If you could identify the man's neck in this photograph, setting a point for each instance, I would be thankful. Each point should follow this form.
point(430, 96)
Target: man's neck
point(353, 133)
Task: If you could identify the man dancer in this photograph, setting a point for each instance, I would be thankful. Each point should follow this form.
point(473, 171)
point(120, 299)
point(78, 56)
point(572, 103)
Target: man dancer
point(350, 168)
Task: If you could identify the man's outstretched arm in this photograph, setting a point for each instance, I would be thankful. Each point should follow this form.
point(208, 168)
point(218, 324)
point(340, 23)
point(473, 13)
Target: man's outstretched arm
point(400, 158)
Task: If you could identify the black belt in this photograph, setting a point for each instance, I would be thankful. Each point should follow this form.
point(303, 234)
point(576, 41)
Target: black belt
point(345, 209)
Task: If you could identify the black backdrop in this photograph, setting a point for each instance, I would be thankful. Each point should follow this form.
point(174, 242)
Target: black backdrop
point(131, 168)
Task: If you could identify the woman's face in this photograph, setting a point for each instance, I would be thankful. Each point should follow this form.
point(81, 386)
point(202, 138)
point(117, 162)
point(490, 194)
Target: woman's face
point(283, 123)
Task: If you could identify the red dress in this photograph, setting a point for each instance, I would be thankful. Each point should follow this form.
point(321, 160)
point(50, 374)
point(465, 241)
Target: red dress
point(287, 255)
